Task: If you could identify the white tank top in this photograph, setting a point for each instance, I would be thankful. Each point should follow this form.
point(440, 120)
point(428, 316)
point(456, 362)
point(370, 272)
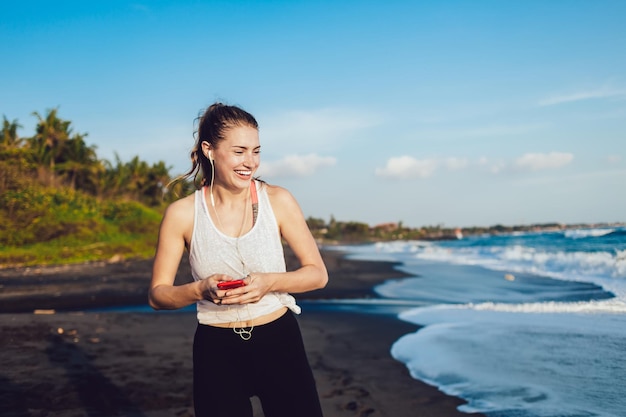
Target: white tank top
point(213, 252)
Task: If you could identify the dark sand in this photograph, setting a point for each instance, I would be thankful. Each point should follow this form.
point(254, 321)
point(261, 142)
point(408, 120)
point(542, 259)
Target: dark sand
point(76, 363)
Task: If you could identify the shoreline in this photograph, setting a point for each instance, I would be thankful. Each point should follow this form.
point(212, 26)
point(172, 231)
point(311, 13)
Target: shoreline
point(139, 364)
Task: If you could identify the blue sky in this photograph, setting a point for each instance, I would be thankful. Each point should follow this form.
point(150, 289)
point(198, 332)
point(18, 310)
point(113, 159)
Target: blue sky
point(457, 113)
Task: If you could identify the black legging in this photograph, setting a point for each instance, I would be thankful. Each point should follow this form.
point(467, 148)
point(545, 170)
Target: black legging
point(271, 365)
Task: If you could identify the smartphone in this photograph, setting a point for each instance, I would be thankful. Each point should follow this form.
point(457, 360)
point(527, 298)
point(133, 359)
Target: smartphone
point(229, 285)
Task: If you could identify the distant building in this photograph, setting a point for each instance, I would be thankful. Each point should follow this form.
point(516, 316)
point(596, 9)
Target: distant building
point(386, 227)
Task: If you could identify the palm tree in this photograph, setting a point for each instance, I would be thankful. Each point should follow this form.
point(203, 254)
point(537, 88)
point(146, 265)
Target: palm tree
point(14, 167)
point(9, 138)
point(49, 141)
point(155, 187)
point(125, 179)
point(79, 164)
point(110, 182)
point(137, 172)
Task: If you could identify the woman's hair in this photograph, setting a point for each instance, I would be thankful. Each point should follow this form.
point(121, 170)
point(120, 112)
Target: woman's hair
point(212, 127)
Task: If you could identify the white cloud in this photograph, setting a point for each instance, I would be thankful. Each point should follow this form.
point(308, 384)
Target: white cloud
point(297, 131)
point(406, 167)
point(295, 165)
point(541, 161)
point(602, 92)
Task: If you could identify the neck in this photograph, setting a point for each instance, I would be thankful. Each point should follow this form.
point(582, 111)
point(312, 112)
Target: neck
point(230, 196)
point(230, 210)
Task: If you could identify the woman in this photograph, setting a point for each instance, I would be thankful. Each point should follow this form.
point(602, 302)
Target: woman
point(247, 341)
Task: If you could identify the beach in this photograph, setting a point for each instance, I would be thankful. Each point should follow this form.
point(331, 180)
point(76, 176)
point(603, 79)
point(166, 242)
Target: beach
point(61, 358)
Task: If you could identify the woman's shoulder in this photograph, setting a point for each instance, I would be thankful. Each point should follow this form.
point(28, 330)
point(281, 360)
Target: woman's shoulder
point(182, 207)
point(276, 192)
point(280, 198)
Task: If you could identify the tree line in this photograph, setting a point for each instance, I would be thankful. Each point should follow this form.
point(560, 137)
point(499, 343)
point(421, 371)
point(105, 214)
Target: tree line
point(56, 156)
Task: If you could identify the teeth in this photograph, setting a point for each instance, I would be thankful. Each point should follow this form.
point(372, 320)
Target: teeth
point(244, 172)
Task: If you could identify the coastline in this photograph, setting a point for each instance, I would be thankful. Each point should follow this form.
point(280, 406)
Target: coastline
point(139, 364)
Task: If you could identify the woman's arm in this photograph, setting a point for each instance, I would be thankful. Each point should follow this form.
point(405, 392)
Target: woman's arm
point(312, 273)
point(175, 227)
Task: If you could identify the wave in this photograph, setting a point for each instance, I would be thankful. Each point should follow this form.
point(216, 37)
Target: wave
point(441, 314)
point(520, 364)
point(603, 268)
point(618, 233)
point(584, 233)
point(612, 306)
point(516, 258)
point(521, 259)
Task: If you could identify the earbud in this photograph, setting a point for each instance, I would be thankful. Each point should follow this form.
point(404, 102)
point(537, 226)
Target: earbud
point(210, 156)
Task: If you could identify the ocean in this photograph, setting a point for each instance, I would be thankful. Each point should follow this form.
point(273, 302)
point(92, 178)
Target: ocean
point(518, 325)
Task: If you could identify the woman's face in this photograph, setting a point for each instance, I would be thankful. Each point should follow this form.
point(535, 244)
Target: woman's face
point(237, 157)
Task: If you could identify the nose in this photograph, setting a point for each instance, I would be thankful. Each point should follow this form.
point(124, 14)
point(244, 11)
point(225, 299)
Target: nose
point(249, 159)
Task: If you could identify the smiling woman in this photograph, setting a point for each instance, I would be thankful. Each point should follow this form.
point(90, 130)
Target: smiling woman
point(233, 226)
point(236, 127)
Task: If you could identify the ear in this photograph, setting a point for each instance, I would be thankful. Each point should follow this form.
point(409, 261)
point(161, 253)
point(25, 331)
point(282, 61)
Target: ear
point(206, 150)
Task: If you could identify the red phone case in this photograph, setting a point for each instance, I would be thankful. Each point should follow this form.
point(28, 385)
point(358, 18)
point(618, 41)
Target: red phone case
point(229, 285)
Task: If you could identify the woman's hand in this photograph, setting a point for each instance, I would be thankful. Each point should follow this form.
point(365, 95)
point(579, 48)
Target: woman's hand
point(254, 289)
point(251, 292)
point(208, 288)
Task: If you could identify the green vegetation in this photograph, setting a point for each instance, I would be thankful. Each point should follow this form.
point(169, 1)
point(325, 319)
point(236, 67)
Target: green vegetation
point(353, 232)
point(60, 203)
point(77, 229)
point(338, 231)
